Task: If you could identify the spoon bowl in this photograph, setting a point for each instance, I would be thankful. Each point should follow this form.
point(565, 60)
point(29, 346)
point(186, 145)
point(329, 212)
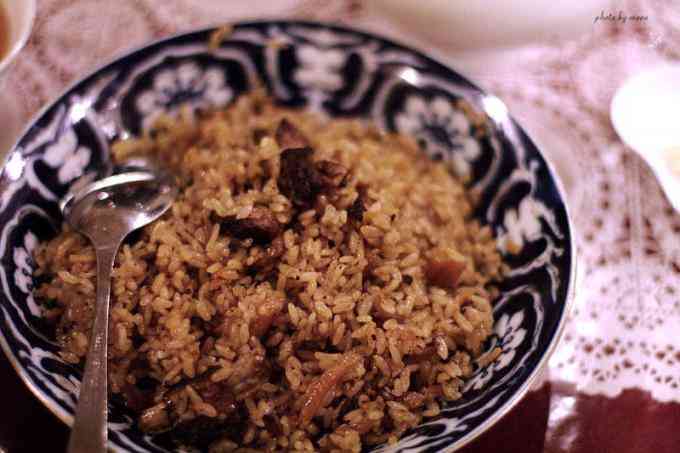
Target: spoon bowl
point(106, 211)
point(645, 113)
point(109, 209)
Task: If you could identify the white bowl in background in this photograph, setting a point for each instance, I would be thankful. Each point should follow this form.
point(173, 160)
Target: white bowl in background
point(20, 15)
point(483, 24)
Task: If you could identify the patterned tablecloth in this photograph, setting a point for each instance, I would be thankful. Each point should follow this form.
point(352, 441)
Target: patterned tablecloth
point(613, 384)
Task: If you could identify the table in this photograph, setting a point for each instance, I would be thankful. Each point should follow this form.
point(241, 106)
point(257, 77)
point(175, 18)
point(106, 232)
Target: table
point(613, 383)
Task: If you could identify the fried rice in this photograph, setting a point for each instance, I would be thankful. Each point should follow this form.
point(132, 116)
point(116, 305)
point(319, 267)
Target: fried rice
point(318, 285)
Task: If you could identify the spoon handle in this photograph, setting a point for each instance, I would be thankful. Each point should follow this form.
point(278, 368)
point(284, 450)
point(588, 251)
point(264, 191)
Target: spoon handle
point(89, 433)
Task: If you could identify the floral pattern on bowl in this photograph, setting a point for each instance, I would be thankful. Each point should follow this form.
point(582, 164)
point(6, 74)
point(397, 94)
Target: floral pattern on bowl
point(185, 85)
point(443, 130)
point(340, 72)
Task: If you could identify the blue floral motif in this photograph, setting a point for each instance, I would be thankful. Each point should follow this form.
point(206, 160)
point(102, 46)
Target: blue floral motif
point(510, 335)
point(22, 259)
point(443, 131)
point(185, 84)
point(319, 73)
point(67, 157)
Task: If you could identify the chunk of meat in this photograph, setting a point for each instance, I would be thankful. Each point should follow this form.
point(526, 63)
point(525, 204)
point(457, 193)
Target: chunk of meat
point(138, 397)
point(428, 353)
point(302, 180)
point(260, 225)
point(271, 254)
point(444, 274)
point(216, 394)
point(332, 174)
point(328, 382)
point(298, 179)
point(163, 416)
point(356, 211)
point(289, 136)
point(155, 418)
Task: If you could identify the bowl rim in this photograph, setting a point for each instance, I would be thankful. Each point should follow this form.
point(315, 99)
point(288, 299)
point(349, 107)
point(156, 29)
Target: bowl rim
point(569, 299)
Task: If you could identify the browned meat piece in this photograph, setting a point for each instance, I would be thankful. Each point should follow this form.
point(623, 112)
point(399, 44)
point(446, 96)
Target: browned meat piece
point(332, 174)
point(260, 225)
point(162, 416)
point(426, 354)
point(289, 136)
point(302, 180)
point(216, 394)
point(139, 396)
point(155, 418)
point(271, 254)
point(356, 211)
point(135, 398)
point(444, 274)
point(298, 178)
point(317, 392)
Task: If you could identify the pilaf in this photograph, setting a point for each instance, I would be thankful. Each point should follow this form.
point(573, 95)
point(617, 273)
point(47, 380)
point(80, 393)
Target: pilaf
point(318, 285)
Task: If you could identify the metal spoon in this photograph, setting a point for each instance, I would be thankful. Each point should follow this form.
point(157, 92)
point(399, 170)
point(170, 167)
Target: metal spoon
point(106, 211)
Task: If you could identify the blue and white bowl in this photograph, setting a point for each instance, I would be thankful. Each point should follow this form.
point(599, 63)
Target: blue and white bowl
point(343, 73)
